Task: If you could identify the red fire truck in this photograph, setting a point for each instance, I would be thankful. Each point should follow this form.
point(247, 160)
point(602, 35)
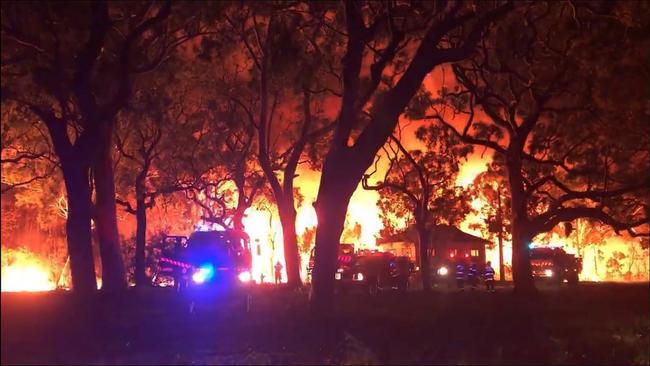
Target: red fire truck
point(346, 254)
point(375, 271)
point(554, 264)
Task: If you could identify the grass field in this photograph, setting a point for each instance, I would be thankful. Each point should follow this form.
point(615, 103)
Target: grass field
point(593, 324)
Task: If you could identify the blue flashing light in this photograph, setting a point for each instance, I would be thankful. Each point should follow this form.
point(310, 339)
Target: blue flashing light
point(531, 246)
point(203, 274)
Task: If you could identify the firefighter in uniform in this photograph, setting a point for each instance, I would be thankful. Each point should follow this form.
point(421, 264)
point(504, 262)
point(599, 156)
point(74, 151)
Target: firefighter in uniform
point(488, 276)
point(472, 274)
point(460, 275)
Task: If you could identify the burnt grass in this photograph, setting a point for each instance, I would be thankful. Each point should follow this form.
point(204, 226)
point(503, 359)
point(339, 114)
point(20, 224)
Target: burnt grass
point(591, 324)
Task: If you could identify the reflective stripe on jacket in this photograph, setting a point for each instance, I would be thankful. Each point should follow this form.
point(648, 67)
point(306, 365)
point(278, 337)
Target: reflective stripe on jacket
point(488, 273)
point(460, 271)
point(472, 272)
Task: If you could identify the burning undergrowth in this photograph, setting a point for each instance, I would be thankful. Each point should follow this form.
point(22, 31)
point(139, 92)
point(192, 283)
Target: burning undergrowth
point(22, 270)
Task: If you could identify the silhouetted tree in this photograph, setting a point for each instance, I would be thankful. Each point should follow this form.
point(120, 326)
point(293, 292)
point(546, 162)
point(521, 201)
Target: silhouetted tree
point(539, 93)
point(404, 42)
point(281, 47)
point(72, 66)
point(153, 136)
point(422, 181)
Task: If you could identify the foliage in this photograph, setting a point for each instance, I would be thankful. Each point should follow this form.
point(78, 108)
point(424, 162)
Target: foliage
point(419, 185)
point(542, 80)
point(490, 189)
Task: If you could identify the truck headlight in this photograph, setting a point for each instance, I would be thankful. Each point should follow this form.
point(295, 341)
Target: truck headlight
point(359, 277)
point(443, 271)
point(548, 273)
point(244, 276)
point(203, 274)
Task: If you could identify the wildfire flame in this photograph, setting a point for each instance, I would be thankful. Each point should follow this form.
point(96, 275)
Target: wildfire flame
point(617, 259)
point(22, 271)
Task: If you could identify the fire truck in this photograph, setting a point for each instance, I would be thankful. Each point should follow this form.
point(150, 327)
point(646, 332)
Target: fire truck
point(375, 271)
point(206, 258)
point(369, 270)
point(345, 256)
point(554, 264)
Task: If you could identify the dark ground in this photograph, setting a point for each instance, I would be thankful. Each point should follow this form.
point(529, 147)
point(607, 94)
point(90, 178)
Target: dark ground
point(593, 324)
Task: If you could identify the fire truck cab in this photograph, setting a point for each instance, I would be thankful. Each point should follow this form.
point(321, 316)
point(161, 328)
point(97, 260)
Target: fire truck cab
point(554, 264)
point(345, 256)
point(206, 258)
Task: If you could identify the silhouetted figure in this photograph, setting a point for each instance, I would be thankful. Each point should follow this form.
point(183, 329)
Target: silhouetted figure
point(472, 275)
point(179, 281)
point(278, 272)
point(488, 276)
point(460, 275)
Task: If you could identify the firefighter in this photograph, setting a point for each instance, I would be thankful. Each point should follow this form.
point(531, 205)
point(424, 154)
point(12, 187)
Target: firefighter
point(460, 275)
point(278, 272)
point(179, 281)
point(488, 276)
point(401, 270)
point(472, 274)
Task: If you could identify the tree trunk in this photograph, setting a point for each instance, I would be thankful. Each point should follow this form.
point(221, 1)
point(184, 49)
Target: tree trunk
point(522, 234)
point(238, 218)
point(502, 274)
point(336, 188)
point(423, 243)
point(291, 256)
point(78, 232)
point(140, 241)
point(502, 267)
point(418, 255)
point(113, 274)
point(521, 270)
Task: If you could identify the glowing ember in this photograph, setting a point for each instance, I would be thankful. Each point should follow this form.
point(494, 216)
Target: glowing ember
point(22, 271)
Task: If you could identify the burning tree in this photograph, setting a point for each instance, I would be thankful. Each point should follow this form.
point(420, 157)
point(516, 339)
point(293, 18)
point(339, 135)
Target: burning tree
point(230, 180)
point(422, 182)
point(491, 190)
point(26, 157)
point(153, 138)
point(403, 42)
point(75, 77)
point(573, 146)
point(281, 46)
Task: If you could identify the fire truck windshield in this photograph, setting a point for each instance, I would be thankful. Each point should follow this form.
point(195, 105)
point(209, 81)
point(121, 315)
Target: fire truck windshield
point(224, 247)
point(223, 239)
